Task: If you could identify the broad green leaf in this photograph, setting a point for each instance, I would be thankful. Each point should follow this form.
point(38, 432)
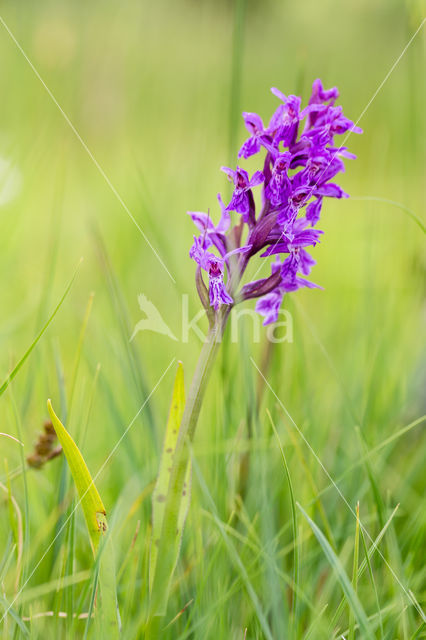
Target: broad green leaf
point(166, 541)
point(95, 517)
point(91, 503)
point(161, 491)
point(343, 579)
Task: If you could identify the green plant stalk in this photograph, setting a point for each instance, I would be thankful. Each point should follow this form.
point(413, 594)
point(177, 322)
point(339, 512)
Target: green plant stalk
point(188, 425)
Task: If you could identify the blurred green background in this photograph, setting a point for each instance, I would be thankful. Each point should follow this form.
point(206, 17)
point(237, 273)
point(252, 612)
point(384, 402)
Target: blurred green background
point(155, 90)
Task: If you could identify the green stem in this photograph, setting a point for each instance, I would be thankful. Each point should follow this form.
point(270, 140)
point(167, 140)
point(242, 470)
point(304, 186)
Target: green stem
point(166, 560)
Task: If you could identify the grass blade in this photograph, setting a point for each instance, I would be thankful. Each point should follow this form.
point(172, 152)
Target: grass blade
point(343, 579)
point(235, 558)
point(14, 615)
point(294, 523)
point(18, 366)
point(354, 574)
point(367, 564)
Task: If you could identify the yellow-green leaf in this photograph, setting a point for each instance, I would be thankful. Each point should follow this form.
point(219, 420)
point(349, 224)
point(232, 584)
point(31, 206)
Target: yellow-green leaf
point(95, 516)
point(91, 503)
point(160, 493)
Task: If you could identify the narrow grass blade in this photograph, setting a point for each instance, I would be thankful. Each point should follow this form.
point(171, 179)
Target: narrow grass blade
point(136, 367)
point(420, 632)
point(366, 564)
point(235, 558)
point(161, 490)
point(14, 615)
point(79, 349)
point(18, 366)
point(40, 591)
point(354, 574)
point(294, 522)
point(343, 579)
point(314, 624)
point(310, 479)
point(373, 582)
point(16, 527)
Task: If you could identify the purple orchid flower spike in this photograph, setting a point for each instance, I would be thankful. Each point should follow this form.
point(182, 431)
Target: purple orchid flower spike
point(299, 171)
point(300, 168)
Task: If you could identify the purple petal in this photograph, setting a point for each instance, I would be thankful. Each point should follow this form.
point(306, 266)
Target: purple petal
point(201, 220)
point(256, 179)
point(253, 122)
point(306, 262)
point(225, 219)
point(279, 94)
point(276, 119)
point(292, 284)
point(239, 202)
point(306, 238)
point(229, 172)
point(217, 292)
point(269, 306)
point(331, 190)
point(313, 211)
point(278, 247)
point(250, 147)
point(244, 249)
point(293, 104)
point(319, 94)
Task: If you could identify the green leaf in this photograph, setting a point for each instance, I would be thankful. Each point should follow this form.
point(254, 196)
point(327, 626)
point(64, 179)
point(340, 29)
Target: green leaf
point(172, 539)
point(91, 503)
point(95, 517)
point(342, 577)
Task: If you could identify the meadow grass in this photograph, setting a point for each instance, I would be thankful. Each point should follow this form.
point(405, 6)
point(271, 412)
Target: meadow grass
point(306, 517)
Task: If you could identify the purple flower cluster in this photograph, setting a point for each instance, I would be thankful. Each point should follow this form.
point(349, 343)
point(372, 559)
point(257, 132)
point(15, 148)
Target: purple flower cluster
point(298, 171)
